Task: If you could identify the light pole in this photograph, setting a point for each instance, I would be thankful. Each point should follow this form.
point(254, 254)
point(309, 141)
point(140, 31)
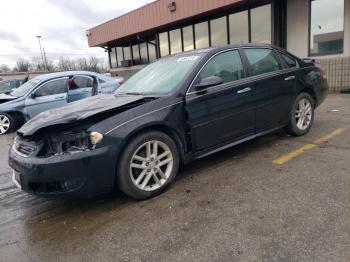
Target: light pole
point(41, 51)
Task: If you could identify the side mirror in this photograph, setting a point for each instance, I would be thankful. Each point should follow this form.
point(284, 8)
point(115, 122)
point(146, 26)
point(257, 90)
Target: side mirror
point(209, 82)
point(32, 95)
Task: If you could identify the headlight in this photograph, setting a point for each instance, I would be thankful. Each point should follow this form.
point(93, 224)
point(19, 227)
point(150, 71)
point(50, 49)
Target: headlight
point(95, 138)
point(73, 143)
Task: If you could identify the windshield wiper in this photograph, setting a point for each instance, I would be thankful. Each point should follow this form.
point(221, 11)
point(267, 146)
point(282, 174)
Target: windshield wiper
point(135, 93)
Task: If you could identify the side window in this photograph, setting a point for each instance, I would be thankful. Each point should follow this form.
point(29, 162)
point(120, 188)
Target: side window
point(82, 82)
point(52, 88)
point(227, 66)
point(262, 61)
point(290, 62)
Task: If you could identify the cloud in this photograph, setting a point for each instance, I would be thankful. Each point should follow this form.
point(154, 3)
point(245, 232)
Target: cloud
point(62, 25)
point(8, 36)
point(85, 13)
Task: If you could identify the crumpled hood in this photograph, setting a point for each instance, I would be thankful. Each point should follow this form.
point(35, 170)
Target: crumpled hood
point(5, 98)
point(77, 111)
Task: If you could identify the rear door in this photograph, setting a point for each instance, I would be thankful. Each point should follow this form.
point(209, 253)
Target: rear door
point(274, 88)
point(49, 95)
point(82, 88)
point(223, 113)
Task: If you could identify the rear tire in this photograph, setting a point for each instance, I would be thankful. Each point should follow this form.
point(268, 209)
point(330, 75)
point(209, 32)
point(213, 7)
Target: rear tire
point(148, 165)
point(301, 115)
point(7, 123)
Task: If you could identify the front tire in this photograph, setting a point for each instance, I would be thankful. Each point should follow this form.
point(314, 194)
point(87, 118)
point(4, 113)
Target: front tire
point(7, 123)
point(148, 165)
point(302, 115)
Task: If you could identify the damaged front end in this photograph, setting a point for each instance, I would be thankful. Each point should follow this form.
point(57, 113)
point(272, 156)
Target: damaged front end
point(61, 162)
point(57, 144)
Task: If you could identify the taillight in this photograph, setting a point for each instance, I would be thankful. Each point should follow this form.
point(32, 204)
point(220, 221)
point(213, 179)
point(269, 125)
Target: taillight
point(323, 70)
point(121, 82)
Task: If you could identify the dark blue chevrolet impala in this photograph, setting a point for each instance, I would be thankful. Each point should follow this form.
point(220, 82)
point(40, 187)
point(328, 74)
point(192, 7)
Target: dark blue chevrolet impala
point(177, 109)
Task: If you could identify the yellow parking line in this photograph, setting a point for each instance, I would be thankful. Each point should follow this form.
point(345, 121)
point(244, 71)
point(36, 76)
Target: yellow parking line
point(329, 136)
point(285, 158)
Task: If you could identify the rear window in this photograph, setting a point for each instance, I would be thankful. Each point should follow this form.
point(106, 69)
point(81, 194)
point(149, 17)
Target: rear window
point(262, 61)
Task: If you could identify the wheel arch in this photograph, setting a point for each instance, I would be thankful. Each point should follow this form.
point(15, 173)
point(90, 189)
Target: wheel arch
point(160, 127)
point(309, 90)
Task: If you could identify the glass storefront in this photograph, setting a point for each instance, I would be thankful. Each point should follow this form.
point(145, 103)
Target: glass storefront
point(239, 28)
point(327, 27)
point(113, 58)
point(232, 28)
point(261, 24)
point(175, 40)
point(218, 29)
point(163, 44)
point(201, 35)
point(187, 33)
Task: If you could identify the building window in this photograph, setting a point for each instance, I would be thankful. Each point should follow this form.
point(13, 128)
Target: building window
point(175, 41)
point(152, 52)
point(127, 53)
point(202, 35)
point(163, 44)
point(136, 53)
point(113, 58)
point(239, 28)
point(261, 24)
point(218, 30)
point(120, 56)
point(327, 27)
point(144, 55)
point(187, 33)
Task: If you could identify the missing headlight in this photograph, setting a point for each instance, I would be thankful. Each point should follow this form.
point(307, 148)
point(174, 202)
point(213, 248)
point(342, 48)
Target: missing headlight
point(71, 143)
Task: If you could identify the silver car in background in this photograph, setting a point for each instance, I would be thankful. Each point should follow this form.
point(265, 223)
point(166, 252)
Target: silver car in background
point(51, 91)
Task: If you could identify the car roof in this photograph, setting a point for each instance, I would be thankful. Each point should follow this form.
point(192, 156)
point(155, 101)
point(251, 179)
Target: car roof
point(211, 50)
point(63, 74)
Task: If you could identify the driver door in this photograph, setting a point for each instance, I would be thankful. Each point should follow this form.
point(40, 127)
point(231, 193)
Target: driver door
point(50, 95)
point(223, 113)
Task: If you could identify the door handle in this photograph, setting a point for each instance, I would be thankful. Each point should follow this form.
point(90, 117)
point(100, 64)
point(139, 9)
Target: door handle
point(289, 78)
point(245, 90)
point(59, 97)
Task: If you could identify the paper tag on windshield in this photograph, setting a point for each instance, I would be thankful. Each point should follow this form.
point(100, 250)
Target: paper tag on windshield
point(187, 58)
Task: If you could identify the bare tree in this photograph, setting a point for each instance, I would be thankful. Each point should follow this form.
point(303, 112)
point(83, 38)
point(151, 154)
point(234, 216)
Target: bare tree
point(37, 64)
point(22, 65)
point(94, 64)
point(66, 64)
point(82, 64)
point(4, 68)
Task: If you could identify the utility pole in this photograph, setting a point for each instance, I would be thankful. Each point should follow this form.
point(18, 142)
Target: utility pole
point(47, 69)
point(41, 51)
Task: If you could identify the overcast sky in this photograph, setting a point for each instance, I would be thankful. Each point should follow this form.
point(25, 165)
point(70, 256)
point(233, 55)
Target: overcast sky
point(62, 24)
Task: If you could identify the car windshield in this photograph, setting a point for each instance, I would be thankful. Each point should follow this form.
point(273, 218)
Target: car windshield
point(4, 86)
point(23, 89)
point(160, 77)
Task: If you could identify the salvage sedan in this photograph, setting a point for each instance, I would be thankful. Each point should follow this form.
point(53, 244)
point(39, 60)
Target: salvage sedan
point(50, 91)
point(177, 109)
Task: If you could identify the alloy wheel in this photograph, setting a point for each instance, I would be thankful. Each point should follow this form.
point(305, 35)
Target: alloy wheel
point(151, 165)
point(303, 114)
point(4, 124)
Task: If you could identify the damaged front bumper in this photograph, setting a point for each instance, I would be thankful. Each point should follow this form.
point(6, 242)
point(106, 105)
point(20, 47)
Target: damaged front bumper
point(78, 175)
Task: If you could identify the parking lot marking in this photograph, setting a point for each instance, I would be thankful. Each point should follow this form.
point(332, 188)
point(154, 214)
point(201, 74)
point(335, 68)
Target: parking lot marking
point(329, 136)
point(285, 158)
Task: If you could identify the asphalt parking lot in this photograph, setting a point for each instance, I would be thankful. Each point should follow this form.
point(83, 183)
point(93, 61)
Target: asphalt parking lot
point(276, 198)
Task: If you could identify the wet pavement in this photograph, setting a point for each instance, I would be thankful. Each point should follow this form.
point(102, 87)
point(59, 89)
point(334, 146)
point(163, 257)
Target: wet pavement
point(236, 205)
